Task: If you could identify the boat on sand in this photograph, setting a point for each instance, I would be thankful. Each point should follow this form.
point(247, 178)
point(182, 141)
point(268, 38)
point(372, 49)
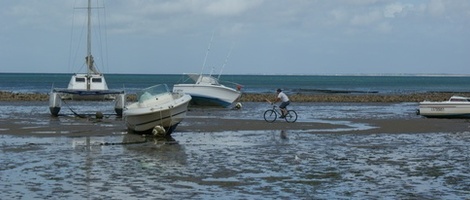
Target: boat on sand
point(156, 106)
point(454, 107)
point(207, 91)
point(89, 86)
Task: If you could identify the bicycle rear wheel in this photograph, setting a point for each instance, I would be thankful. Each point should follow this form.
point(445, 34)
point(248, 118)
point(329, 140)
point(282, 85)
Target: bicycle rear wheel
point(270, 115)
point(291, 116)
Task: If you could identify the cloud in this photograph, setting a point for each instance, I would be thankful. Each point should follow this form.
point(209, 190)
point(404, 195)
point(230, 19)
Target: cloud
point(261, 29)
point(394, 9)
point(228, 7)
point(366, 19)
point(436, 7)
point(33, 13)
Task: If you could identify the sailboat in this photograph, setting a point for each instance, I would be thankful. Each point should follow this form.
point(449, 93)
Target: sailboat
point(86, 86)
point(206, 89)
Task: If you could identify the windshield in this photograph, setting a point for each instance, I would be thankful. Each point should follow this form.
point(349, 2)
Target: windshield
point(153, 91)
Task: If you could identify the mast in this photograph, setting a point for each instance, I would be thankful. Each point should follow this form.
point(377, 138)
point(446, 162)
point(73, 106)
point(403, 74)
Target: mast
point(89, 58)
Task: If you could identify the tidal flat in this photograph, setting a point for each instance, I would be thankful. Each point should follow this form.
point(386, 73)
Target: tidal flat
point(335, 150)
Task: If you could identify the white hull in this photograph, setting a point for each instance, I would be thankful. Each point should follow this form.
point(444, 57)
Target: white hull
point(207, 91)
point(214, 95)
point(455, 107)
point(166, 110)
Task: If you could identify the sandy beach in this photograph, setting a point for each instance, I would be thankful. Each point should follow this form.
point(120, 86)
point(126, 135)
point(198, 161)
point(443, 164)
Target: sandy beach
point(334, 150)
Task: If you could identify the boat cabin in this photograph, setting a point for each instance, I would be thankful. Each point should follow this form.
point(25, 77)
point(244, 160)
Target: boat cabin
point(459, 99)
point(87, 82)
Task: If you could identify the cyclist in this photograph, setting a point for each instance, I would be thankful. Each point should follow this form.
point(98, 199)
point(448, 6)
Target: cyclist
point(281, 96)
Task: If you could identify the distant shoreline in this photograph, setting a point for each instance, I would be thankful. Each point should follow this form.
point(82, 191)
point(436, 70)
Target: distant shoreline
point(276, 74)
point(298, 97)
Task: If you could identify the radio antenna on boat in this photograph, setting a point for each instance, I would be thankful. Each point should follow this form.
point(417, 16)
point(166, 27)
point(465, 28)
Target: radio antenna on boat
point(225, 62)
point(207, 53)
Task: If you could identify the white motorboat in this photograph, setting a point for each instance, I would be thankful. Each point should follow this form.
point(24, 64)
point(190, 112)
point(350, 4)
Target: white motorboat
point(207, 91)
point(156, 106)
point(455, 107)
point(86, 86)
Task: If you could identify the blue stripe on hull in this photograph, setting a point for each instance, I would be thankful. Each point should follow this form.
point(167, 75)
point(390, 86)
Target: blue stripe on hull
point(204, 101)
point(448, 116)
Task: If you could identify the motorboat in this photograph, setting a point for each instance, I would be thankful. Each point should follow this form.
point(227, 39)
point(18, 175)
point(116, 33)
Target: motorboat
point(207, 91)
point(156, 106)
point(89, 86)
point(455, 107)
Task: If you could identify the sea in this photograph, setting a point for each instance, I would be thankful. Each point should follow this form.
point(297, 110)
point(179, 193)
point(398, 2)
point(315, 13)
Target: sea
point(131, 83)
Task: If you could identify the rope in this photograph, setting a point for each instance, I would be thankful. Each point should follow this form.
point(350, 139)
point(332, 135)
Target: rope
point(123, 143)
point(75, 113)
point(171, 116)
point(161, 117)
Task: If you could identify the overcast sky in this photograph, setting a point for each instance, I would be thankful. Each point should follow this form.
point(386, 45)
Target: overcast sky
point(263, 36)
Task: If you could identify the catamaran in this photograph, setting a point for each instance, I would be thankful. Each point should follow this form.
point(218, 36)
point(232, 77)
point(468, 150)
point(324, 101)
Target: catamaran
point(86, 86)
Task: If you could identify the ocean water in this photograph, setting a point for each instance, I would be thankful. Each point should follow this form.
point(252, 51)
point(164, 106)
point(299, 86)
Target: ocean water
point(43, 82)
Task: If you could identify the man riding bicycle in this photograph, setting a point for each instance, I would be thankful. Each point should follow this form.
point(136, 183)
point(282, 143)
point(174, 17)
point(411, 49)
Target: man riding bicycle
point(281, 96)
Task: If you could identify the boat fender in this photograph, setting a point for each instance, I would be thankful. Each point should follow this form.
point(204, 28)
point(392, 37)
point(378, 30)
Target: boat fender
point(417, 112)
point(158, 131)
point(238, 106)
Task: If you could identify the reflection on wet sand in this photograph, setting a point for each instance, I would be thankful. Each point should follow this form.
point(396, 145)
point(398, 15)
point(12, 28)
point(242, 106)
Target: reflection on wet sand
point(284, 135)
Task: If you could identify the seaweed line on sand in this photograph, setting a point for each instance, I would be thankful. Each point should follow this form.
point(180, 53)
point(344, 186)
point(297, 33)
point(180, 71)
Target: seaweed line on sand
point(297, 97)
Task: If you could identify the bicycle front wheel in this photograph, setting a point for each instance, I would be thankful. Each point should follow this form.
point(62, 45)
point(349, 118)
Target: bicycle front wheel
point(270, 115)
point(291, 116)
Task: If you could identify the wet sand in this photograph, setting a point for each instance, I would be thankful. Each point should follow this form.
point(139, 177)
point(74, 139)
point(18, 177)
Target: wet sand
point(201, 122)
point(335, 150)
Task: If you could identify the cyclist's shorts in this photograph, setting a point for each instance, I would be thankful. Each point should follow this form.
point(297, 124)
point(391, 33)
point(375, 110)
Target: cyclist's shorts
point(284, 104)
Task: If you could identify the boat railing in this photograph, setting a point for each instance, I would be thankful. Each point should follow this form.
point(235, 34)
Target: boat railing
point(232, 85)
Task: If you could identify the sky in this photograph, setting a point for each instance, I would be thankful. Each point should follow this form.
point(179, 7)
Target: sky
point(238, 36)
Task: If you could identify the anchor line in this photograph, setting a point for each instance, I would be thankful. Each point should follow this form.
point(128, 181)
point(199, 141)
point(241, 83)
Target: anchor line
point(75, 113)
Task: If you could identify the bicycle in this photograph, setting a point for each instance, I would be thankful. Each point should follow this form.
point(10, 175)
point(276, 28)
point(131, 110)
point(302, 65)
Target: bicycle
point(270, 115)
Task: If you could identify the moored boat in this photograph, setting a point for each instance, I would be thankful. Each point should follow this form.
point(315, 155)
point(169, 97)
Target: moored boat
point(455, 107)
point(156, 106)
point(89, 86)
point(207, 91)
